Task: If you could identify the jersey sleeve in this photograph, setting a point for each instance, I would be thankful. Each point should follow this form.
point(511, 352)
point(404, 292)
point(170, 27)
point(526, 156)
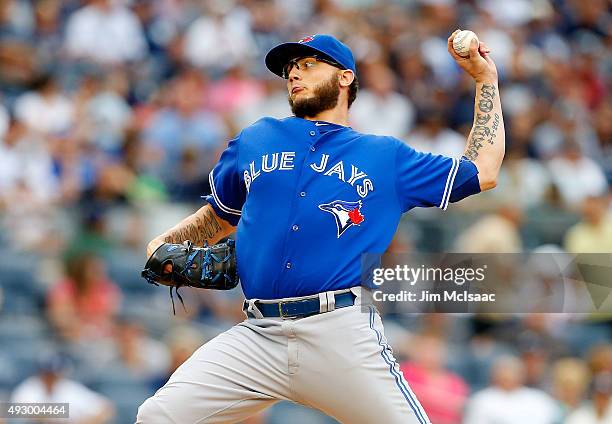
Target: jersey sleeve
point(228, 192)
point(425, 179)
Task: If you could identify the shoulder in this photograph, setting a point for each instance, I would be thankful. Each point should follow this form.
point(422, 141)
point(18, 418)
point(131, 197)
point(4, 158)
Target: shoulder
point(256, 131)
point(266, 123)
point(378, 141)
point(387, 140)
point(270, 127)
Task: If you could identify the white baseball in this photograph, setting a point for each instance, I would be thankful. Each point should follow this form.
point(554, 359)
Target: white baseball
point(461, 42)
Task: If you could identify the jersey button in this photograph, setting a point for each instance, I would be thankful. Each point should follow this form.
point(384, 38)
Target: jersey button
point(295, 227)
point(303, 194)
point(312, 133)
point(288, 265)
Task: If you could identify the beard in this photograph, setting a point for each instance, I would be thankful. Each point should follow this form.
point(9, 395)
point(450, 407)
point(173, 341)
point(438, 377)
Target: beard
point(325, 98)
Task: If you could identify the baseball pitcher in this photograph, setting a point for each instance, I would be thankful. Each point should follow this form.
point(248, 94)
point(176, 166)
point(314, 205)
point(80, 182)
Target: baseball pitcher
point(307, 196)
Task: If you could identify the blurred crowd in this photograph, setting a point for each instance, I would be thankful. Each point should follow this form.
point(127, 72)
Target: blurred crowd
point(113, 112)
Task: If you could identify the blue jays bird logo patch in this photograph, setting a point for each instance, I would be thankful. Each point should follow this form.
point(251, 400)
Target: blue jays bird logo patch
point(307, 39)
point(345, 213)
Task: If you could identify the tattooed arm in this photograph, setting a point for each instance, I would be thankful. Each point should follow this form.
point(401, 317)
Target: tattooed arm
point(487, 140)
point(202, 227)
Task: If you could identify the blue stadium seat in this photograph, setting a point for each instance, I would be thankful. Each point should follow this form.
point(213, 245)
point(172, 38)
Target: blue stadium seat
point(124, 267)
point(16, 327)
point(19, 359)
point(126, 392)
point(17, 279)
point(127, 399)
point(9, 376)
point(22, 290)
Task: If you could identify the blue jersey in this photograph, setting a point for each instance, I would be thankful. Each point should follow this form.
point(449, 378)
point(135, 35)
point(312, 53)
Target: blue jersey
point(309, 197)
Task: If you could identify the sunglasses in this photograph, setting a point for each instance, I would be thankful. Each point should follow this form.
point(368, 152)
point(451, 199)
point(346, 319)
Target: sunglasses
point(294, 62)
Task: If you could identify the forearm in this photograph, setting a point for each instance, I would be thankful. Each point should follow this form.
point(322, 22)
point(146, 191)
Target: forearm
point(487, 140)
point(201, 228)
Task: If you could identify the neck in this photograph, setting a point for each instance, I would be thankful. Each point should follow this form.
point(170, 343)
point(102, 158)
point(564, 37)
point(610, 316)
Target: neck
point(337, 115)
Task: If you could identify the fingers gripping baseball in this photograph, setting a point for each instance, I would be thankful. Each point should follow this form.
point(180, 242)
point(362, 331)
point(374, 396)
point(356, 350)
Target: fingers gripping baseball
point(478, 63)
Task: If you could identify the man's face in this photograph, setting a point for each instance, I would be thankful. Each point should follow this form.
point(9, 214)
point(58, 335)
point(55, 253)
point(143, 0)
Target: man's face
point(313, 87)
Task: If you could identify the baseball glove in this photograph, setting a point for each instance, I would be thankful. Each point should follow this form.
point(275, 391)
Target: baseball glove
point(208, 267)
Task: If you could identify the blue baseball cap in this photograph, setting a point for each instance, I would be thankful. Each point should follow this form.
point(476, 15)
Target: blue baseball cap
point(322, 45)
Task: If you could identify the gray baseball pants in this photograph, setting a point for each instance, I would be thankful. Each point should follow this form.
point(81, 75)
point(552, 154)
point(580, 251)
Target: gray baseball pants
point(337, 362)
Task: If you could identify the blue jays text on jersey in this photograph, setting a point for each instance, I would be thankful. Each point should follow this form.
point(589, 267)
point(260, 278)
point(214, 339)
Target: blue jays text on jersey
point(310, 197)
point(271, 163)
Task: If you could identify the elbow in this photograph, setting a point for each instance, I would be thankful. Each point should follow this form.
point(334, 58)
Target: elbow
point(487, 182)
point(488, 174)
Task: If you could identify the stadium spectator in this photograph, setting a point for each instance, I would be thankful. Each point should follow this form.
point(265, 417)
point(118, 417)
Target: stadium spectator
point(236, 90)
point(220, 38)
point(49, 385)
point(48, 30)
point(137, 353)
point(507, 400)
point(273, 102)
point(442, 393)
point(599, 409)
point(25, 166)
point(594, 233)
point(432, 135)
point(45, 109)
point(28, 190)
point(570, 381)
point(494, 233)
point(576, 176)
point(379, 108)
point(600, 358)
point(523, 180)
point(183, 124)
point(105, 32)
point(108, 114)
point(82, 306)
point(535, 354)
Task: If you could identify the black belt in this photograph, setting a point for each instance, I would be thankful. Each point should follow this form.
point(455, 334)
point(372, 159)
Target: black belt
point(298, 308)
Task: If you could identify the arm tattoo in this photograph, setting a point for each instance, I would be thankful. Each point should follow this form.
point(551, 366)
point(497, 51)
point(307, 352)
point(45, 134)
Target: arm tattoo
point(482, 119)
point(487, 91)
point(485, 105)
point(200, 231)
point(484, 129)
point(495, 126)
point(487, 94)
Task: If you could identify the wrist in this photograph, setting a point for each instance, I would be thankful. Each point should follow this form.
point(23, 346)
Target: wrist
point(153, 245)
point(156, 241)
point(486, 79)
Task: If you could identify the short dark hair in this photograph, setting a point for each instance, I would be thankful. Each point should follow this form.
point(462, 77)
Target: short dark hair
point(353, 89)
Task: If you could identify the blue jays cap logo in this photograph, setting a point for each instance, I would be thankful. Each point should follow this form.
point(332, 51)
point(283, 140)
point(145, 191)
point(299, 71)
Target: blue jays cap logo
point(345, 213)
point(307, 39)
